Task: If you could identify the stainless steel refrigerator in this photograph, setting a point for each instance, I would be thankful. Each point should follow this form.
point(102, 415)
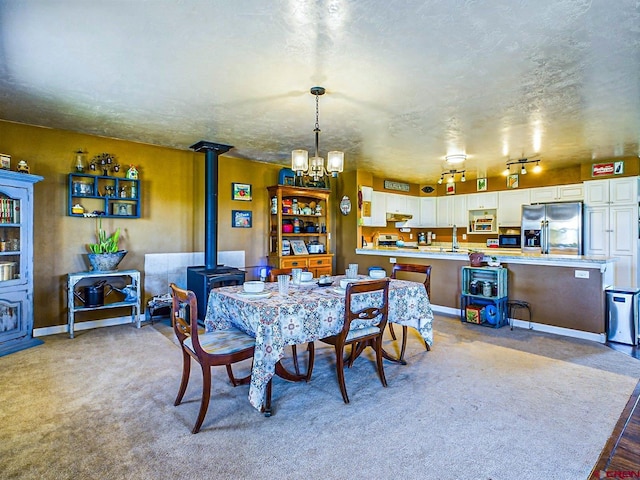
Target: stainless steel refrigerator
point(552, 228)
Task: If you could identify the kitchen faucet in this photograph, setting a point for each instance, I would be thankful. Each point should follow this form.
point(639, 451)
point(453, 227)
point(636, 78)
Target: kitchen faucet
point(454, 241)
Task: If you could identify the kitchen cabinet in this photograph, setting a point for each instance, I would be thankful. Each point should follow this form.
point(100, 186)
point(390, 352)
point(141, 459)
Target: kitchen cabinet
point(428, 211)
point(483, 200)
point(452, 210)
point(397, 203)
point(378, 209)
point(558, 193)
point(412, 205)
point(300, 216)
point(611, 225)
point(114, 196)
point(612, 191)
point(510, 206)
point(16, 261)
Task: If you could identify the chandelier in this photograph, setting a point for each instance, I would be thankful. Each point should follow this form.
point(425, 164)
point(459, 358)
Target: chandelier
point(522, 162)
point(315, 168)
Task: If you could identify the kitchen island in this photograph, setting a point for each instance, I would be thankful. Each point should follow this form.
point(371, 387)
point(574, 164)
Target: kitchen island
point(566, 293)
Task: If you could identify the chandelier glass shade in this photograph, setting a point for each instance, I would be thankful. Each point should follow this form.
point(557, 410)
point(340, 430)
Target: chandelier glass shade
point(314, 166)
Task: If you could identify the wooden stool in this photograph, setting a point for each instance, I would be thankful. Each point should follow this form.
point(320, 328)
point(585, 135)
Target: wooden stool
point(514, 305)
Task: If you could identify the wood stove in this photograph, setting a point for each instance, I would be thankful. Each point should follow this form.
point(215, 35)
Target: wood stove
point(201, 279)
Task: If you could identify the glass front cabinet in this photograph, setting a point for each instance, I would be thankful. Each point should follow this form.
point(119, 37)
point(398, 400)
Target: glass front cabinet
point(16, 261)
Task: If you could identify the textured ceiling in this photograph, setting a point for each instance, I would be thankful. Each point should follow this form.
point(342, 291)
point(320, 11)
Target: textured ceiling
point(407, 81)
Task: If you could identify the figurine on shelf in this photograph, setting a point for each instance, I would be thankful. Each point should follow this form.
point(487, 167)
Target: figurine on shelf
point(80, 161)
point(132, 173)
point(23, 167)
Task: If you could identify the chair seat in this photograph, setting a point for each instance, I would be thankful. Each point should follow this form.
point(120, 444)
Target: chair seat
point(223, 342)
point(361, 332)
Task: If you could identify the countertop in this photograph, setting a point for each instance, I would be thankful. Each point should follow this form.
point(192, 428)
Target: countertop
point(504, 255)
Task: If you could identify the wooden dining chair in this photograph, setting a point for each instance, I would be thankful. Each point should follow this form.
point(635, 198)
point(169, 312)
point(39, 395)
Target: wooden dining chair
point(362, 328)
point(274, 272)
point(273, 277)
point(413, 268)
point(219, 347)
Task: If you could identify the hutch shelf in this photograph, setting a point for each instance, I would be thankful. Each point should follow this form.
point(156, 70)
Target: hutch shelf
point(300, 229)
point(116, 197)
point(16, 261)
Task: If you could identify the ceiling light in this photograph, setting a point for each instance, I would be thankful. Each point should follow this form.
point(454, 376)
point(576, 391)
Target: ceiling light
point(455, 159)
point(522, 162)
point(300, 158)
point(507, 171)
point(452, 176)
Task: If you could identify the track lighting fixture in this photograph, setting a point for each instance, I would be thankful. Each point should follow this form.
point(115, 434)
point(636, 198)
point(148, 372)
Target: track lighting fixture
point(523, 169)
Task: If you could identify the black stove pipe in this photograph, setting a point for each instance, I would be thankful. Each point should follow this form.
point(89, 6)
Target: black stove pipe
point(211, 152)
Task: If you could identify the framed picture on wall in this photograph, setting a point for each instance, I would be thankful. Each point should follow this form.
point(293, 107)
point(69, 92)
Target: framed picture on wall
point(481, 184)
point(241, 191)
point(241, 218)
point(512, 180)
point(450, 188)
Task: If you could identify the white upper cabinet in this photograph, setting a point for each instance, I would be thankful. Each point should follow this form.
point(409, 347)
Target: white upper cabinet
point(613, 191)
point(452, 210)
point(428, 212)
point(510, 206)
point(396, 203)
point(378, 209)
point(478, 201)
point(558, 193)
point(412, 205)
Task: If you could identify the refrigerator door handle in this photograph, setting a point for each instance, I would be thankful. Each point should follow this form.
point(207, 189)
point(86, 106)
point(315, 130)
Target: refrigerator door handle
point(542, 237)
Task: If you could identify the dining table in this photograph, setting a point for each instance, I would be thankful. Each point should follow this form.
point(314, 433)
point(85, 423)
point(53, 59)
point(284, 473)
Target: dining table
point(308, 312)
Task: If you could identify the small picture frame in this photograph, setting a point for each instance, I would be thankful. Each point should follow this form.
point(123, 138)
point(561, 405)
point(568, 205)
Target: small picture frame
point(241, 218)
point(241, 191)
point(298, 247)
point(290, 181)
point(512, 180)
point(481, 184)
point(122, 209)
point(5, 161)
point(450, 188)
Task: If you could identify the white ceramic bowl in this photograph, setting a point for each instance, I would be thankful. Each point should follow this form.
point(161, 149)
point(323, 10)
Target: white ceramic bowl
point(344, 282)
point(306, 276)
point(255, 286)
point(377, 274)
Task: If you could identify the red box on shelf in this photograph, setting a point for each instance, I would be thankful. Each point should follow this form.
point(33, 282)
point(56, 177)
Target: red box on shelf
point(475, 314)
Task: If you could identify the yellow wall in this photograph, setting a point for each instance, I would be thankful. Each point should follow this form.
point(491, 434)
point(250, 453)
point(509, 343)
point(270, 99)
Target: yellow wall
point(172, 193)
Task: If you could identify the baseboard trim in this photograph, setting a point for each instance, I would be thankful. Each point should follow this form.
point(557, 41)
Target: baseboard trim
point(106, 322)
point(540, 327)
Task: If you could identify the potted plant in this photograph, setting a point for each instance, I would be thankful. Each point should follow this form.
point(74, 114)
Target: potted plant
point(104, 255)
point(476, 257)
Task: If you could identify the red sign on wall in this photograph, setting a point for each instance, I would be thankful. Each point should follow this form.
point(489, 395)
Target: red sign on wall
point(611, 168)
point(599, 169)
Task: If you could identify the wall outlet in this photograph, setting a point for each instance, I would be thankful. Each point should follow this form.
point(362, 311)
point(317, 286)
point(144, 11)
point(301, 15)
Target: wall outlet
point(392, 260)
point(433, 236)
point(464, 236)
point(411, 236)
point(582, 273)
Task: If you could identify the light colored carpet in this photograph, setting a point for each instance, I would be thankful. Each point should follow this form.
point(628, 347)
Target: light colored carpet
point(483, 404)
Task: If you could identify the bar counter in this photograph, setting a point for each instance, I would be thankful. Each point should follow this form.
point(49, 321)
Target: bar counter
point(566, 292)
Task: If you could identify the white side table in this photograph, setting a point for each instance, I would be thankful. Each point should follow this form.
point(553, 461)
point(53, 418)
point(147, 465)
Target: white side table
point(74, 278)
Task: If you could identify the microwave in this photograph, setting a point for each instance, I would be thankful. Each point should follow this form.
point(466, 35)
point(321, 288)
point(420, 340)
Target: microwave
point(509, 241)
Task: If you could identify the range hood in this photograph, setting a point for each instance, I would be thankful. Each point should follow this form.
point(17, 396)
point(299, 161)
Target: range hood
point(398, 217)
